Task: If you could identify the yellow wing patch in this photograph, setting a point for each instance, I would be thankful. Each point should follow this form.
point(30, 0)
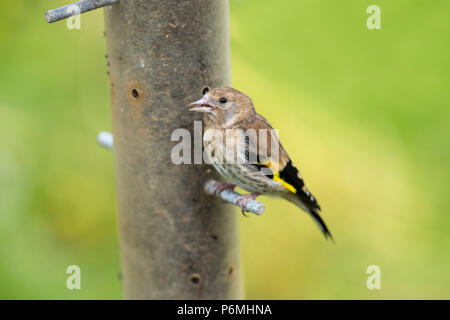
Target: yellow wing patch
point(276, 177)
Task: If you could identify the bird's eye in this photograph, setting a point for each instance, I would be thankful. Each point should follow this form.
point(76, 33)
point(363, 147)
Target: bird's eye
point(205, 90)
point(223, 100)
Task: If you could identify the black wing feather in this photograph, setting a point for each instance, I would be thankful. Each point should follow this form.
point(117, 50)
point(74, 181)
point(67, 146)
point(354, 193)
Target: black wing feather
point(291, 175)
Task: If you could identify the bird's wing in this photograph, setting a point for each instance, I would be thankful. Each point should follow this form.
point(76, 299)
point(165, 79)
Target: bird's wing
point(264, 151)
point(273, 161)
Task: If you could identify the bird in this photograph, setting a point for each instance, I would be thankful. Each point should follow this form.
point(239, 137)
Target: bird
point(236, 142)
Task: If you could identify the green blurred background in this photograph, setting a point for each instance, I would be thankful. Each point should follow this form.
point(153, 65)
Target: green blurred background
point(364, 114)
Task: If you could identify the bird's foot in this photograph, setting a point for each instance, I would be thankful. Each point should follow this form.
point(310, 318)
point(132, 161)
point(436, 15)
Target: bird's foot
point(243, 200)
point(221, 186)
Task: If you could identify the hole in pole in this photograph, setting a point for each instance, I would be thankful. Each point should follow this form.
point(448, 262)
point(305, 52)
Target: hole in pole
point(195, 279)
point(135, 93)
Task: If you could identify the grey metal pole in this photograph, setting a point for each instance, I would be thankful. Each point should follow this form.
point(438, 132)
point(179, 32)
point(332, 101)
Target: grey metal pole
point(176, 242)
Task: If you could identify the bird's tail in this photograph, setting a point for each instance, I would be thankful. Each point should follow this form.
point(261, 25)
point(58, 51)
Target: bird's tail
point(312, 208)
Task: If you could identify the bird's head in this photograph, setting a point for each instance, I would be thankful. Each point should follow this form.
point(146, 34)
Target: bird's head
point(223, 105)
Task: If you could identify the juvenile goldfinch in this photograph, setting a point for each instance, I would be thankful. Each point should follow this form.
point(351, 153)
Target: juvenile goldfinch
point(258, 164)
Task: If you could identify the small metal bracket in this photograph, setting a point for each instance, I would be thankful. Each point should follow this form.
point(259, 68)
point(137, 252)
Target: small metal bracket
point(105, 139)
point(232, 197)
point(83, 6)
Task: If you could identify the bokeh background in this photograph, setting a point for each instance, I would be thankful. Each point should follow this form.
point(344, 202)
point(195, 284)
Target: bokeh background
point(364, 114)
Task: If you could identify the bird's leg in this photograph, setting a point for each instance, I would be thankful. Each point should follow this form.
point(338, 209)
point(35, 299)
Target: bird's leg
point(221, 186)
point(243, 200)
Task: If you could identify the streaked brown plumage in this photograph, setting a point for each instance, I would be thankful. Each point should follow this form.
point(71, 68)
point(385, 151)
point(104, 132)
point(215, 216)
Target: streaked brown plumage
point(254, 167)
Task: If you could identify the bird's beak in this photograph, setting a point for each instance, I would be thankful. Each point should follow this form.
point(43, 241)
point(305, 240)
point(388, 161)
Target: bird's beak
point(202, 105)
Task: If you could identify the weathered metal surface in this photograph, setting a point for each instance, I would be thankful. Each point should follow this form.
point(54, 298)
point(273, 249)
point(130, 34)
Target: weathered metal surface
point(176, 242)
point(83, 6)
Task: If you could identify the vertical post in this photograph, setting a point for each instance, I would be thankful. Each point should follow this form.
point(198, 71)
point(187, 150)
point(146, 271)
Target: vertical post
point(176, 242)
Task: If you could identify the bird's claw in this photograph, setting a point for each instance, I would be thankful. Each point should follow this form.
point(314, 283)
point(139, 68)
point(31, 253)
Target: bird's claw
point(242, 201)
